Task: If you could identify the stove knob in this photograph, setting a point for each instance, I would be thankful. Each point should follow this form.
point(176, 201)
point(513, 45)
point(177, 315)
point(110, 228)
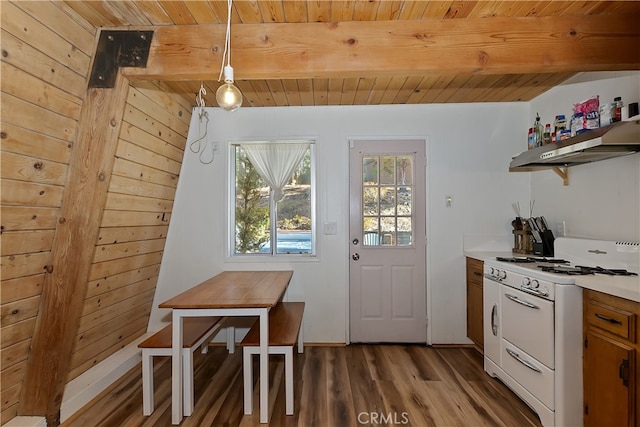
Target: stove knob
point(526, 282)
point(535, 284)
point(502, 274)
point(491, 271)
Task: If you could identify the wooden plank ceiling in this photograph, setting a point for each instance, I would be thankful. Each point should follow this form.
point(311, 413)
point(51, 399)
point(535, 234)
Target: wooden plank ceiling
point(440, 86)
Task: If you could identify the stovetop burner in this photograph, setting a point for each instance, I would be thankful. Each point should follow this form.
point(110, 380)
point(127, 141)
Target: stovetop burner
point(514, 259)
point(579, 270)
point(571, 271)
point(528, 259)
point(608, 271)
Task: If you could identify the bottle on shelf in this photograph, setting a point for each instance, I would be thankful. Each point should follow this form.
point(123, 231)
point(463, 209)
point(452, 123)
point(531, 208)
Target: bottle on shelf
point(546, 136)
point(538, 131)
point(560, 123)
point(618, 109)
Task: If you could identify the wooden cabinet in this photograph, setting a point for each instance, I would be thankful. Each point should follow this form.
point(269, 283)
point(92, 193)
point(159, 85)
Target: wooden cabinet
point(611, 357)
point(474, 302)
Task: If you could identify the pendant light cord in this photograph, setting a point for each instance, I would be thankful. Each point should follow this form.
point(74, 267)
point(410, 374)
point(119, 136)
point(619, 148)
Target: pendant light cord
point(199, 145)
point(227, 42)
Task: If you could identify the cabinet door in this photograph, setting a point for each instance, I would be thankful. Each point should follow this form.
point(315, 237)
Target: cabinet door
point(474, 314)
point(609, 381)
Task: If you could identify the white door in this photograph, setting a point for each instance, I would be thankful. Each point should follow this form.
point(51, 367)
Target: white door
point(387, 287)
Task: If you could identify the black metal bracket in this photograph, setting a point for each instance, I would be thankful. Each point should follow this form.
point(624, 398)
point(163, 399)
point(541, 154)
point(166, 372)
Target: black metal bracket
point(118, 48)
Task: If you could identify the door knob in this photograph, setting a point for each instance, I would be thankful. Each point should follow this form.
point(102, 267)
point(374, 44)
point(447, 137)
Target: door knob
point(355, 256)
point(355, 241)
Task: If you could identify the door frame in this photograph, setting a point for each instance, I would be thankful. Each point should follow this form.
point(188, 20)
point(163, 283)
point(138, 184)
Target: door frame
point(427, 227)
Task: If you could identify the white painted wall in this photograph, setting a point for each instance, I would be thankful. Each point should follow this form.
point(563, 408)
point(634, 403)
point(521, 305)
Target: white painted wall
point(602, 200)
point(469, 149)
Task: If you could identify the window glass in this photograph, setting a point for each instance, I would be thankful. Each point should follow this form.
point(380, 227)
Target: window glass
point(387, 203)
point(264, 225)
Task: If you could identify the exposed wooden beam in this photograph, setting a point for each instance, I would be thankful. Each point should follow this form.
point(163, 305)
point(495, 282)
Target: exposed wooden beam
point(406, 48)
point(66, 277)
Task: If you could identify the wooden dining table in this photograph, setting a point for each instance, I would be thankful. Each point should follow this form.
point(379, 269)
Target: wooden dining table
point(230, 293)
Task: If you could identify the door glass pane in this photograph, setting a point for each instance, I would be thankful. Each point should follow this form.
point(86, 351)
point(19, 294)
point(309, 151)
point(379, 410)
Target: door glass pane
point(387, 201)
point(405, 205)
point(404, 171)
point(388, 229)
point(370, 200)
point(370, 170)
point(405, 237)
point(387, 170)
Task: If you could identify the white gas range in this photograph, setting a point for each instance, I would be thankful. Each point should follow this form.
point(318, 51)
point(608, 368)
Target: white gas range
point(533, 321)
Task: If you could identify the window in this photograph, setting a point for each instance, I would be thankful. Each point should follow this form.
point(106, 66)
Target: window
point(273, 198)
point(387, 188)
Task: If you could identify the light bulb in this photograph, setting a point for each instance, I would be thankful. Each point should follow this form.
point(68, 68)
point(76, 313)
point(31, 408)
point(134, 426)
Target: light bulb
point(228, 96)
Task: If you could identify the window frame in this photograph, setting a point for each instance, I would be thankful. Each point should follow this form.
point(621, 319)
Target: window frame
point(231, 204)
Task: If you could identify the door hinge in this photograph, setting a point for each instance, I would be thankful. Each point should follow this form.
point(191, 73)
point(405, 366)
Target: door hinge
point(586, 343)
point(586, 409)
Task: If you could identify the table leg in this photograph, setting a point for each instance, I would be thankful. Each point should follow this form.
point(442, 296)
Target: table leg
point(176, 369)
point(264, 365)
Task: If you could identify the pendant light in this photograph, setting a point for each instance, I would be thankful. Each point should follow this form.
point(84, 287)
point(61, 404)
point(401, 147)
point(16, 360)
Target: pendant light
point(228, 96)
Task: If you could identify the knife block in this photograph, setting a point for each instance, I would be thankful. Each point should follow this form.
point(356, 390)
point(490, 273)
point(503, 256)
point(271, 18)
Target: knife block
point(544, 248)
point(522, 241)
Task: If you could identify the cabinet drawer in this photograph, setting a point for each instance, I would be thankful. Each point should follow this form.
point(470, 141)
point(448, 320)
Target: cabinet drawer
point(474, 271)
point(614, 320)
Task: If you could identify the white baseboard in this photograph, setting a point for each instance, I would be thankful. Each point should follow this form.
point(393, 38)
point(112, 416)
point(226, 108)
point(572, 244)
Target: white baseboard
point(86, 387)
point(27, 422)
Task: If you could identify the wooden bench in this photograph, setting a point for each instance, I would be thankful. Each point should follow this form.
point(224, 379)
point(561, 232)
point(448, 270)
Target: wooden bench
point(285, 329)
point(196, 332)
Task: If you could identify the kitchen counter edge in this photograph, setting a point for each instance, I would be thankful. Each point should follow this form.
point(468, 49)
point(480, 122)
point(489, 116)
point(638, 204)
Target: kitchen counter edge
point(486, 255)
point(627, 287)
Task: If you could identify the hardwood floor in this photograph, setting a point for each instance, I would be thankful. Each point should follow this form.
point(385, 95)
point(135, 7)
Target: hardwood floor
point(356, 385)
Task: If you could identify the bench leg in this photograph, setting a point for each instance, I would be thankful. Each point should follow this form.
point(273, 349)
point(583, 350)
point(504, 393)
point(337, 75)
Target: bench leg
point(247, 381)
point(147, 383)
point(301, 338)
point(187, 381)
point(231, 339)
point(288, 379)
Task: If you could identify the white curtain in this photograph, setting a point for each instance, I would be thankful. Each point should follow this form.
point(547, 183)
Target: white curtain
point(276, 162)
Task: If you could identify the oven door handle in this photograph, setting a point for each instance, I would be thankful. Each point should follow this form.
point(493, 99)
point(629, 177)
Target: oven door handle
point(519, 301)
point(524, 362)
point(494, 324)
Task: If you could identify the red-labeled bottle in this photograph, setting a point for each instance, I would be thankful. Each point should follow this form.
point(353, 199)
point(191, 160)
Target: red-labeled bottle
point(546, 136)
point(617, 116)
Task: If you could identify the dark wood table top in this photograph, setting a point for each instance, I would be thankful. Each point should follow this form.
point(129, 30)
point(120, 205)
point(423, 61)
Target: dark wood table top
point(234, 289)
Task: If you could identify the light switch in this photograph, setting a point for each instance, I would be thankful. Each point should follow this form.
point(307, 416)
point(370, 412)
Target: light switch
point(330, 228)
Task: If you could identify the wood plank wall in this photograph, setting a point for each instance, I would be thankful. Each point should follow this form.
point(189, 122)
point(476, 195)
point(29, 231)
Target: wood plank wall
point(46, 52)
point(46, 55)
point(134, 225)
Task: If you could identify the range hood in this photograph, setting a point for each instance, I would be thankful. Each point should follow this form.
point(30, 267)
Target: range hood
point(615, 140)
